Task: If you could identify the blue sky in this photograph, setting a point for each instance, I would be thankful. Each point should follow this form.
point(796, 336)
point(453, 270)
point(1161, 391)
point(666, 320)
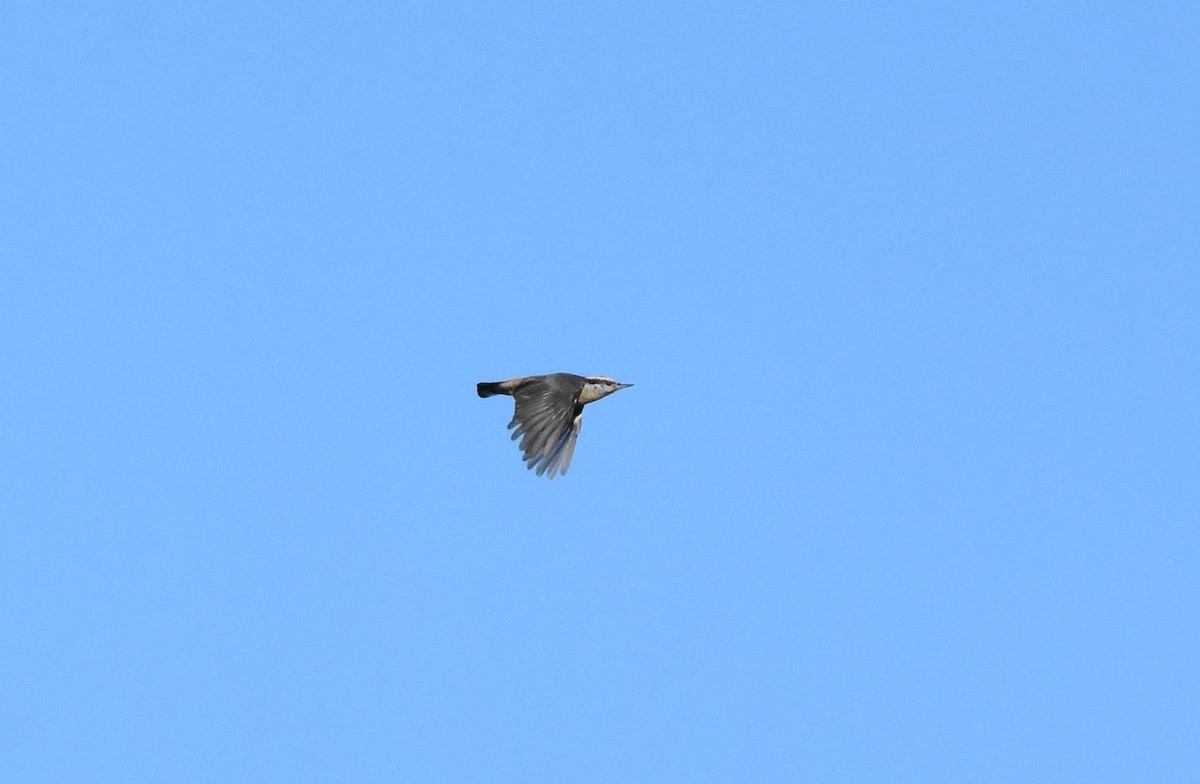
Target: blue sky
point(906, 489)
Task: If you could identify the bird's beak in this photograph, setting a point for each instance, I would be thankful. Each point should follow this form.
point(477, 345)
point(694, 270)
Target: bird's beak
point(623, 386)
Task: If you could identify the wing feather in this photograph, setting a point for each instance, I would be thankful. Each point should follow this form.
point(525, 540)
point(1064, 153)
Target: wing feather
point(546, 420)
point(560, 461)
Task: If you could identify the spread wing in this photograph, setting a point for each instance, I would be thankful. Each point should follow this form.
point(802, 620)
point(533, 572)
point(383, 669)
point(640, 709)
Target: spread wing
point(560, 460)
point(547, 419)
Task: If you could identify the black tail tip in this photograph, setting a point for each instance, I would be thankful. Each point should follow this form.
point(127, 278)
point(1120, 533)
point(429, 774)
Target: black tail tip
point(487, 388)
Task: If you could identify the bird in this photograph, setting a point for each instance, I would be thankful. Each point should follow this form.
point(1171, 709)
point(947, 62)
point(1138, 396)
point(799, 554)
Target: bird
point(549, 414)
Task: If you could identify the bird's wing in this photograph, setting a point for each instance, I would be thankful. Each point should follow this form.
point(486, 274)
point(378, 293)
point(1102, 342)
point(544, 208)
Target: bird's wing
point(567, 448)
point(546, 420)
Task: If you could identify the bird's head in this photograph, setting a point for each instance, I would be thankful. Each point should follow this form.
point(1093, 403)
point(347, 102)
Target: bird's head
point(598, 387)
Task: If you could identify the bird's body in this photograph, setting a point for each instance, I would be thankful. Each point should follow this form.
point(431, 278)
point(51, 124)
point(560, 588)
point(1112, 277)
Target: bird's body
point(549, 414)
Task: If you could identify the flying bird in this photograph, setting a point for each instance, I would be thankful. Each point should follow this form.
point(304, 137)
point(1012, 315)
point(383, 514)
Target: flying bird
point(549, 413)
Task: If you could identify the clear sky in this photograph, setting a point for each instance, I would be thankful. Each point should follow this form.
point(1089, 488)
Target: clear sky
point(906, 489)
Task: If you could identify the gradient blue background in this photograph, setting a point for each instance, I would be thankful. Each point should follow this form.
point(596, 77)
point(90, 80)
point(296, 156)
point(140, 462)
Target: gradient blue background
point(906, 489)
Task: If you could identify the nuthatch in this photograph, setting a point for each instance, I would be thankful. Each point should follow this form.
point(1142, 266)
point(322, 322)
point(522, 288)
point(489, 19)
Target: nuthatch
point(549, 414)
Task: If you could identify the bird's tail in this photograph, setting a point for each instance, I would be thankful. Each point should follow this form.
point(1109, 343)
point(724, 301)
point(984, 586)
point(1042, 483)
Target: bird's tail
point(489, 388)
